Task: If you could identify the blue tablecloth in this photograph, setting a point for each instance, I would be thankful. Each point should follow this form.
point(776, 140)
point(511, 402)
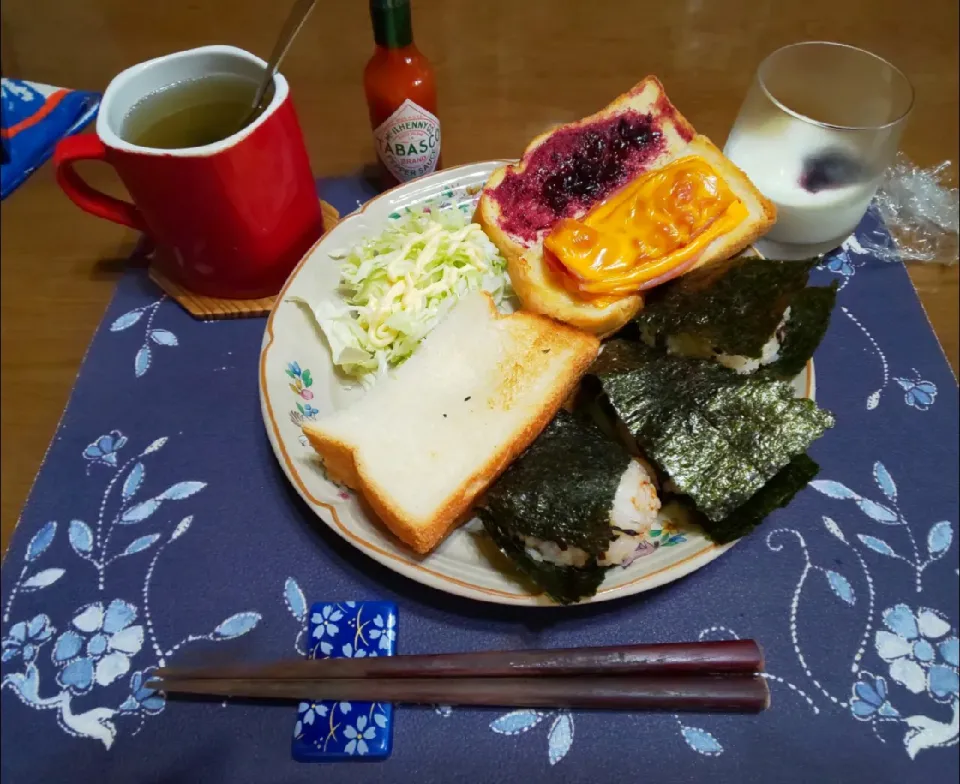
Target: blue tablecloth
point(161, 528)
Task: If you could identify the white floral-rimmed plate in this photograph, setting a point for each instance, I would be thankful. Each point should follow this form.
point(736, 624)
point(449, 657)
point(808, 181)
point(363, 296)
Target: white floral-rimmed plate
point(297, 382)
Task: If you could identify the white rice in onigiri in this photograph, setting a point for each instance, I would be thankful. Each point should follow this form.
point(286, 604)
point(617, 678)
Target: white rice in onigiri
point(634, 511)
point(685, 345)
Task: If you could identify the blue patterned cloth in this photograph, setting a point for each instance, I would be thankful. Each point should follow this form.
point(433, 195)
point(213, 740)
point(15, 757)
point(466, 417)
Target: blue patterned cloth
point(35, 117)
point(162, 530)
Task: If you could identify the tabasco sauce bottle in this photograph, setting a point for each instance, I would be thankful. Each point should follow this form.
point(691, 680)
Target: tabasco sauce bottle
point(402, 97)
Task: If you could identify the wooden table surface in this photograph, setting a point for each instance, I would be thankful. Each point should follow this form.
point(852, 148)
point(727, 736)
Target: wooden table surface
point(506, 70)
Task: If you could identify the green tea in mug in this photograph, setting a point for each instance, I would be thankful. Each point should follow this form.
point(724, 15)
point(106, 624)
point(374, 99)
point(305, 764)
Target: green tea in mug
point(191, 113)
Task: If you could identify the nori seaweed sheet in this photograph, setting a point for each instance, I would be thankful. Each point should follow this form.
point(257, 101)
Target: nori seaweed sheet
point(560, 490)
point(564, 584)
point(810, 311)
point(718, 435)
point(776, 493)
point(736, 307)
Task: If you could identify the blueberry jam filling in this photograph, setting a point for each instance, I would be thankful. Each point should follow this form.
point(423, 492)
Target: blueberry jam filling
point(830, 169)
point(575, 168)
point(597, 164)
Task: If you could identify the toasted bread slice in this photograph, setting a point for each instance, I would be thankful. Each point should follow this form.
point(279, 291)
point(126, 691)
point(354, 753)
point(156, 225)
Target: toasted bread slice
point(428, 439)
point(516, 211)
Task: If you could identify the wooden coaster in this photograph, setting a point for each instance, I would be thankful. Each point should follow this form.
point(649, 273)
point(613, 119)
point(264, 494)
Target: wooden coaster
point(203, 307)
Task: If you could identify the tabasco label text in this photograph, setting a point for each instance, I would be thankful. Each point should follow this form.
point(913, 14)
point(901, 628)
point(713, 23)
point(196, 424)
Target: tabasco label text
point(408, 141)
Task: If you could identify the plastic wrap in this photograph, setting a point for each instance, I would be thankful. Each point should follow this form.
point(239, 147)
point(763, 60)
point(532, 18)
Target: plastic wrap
point(921, 212)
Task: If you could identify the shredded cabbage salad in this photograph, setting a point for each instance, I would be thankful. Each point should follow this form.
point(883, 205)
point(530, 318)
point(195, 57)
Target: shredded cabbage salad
point(396, 286)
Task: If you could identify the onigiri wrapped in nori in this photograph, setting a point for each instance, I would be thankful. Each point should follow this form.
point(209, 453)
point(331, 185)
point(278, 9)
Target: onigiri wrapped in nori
point(733, 445)
point(699, 399)
point(748, 314)
point(574, 504)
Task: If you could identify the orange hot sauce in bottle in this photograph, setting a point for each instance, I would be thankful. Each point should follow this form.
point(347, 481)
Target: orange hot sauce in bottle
point(402, 97)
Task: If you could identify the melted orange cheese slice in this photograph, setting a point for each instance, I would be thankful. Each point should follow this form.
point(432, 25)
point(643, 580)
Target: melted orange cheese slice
point(660, 221)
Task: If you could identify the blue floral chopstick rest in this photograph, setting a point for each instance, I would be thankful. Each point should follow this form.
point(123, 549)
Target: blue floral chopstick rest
point(327, 731)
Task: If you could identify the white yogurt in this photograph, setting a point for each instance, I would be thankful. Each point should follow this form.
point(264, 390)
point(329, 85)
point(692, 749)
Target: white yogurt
point(772, 156)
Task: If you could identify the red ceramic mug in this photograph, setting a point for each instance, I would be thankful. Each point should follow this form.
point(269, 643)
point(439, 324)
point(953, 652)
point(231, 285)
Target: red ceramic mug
point(230, 219)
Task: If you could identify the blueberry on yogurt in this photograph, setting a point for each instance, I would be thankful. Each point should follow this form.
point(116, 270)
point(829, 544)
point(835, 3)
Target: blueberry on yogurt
point(832, 168)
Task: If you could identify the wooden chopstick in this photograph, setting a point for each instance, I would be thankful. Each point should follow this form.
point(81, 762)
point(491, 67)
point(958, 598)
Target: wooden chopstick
point(676, 693)
point(727, 656)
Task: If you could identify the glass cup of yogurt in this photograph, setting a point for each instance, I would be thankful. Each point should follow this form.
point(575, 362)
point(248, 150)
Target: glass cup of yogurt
point(817, 129)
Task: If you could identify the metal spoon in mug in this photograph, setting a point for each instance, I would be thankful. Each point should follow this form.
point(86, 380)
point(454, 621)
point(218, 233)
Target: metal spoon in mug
point(298, 15)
